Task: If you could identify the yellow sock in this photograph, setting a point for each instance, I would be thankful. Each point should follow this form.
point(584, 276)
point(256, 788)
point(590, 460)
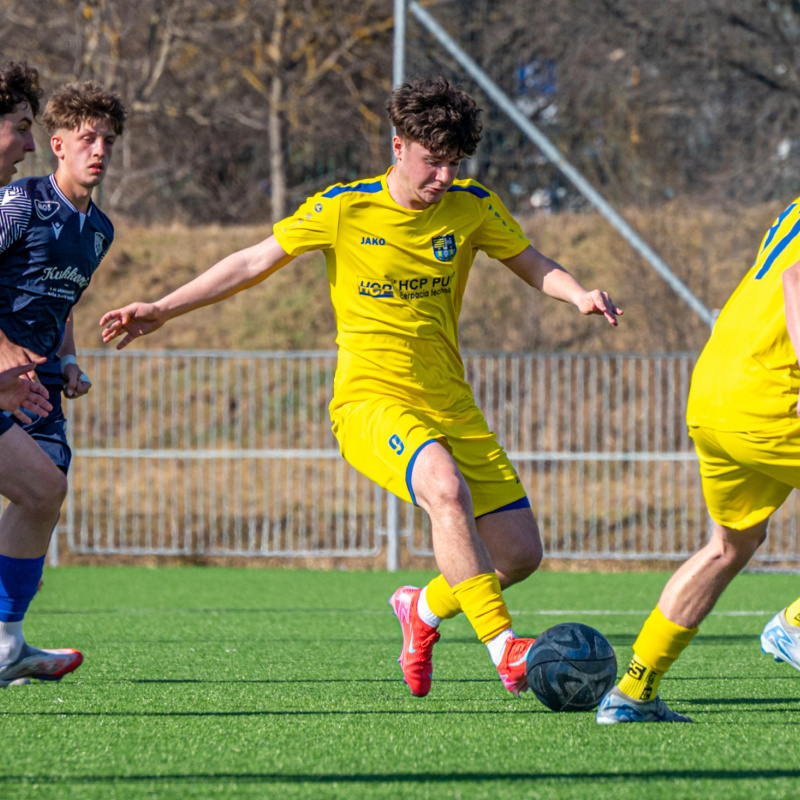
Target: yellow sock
point(481, 599)
point(659, 643)
point(441, 600)
point(640, 681)
point(793, 613)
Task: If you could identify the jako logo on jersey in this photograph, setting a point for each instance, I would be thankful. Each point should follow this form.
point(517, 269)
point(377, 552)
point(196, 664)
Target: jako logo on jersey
point(373, 240)
point(444, 247)
point(396, 443)
point(370, 288)
point(46, 209)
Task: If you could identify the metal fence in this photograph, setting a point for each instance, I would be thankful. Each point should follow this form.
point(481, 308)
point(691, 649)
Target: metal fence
point(212, 453)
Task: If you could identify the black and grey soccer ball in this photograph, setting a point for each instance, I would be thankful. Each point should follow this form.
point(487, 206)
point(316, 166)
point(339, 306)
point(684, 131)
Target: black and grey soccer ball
point(571, 666)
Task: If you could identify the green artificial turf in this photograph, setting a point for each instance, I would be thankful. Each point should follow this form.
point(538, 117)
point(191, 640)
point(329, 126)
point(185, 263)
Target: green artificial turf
point(210, 682)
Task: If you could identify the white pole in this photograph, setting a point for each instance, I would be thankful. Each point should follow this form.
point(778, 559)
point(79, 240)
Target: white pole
point(399, 62)
point(554, 155)
point(392, 533)
point(399, 66)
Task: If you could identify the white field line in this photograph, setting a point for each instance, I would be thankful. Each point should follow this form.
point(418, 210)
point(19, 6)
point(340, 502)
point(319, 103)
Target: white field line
point(559, 612)
point(552, 612)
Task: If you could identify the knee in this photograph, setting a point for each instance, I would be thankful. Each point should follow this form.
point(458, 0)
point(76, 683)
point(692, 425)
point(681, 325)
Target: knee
point(522, 562)
point(47, 493)
point(735, 548)
point(449, 491)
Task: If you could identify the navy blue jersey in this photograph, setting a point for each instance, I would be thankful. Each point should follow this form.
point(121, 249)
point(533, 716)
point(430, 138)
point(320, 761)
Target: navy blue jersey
point(48, 254)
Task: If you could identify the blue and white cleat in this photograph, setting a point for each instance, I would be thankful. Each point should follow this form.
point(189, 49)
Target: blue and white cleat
point(618, 707)
point(44, 665)
point(781, 640)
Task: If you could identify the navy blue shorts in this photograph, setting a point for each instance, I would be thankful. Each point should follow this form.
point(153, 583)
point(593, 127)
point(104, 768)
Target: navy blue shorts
point(50, 432)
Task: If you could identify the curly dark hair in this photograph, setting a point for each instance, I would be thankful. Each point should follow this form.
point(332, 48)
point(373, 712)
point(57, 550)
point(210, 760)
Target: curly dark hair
point(72, 105)
point(19, 84)
point(442, 118)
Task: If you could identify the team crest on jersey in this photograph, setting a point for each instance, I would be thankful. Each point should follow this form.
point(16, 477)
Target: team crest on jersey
point(100, 244)
point(444, 247)
point(46, 208)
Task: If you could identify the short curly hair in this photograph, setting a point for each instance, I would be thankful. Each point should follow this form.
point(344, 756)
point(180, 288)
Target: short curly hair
point(19, 84)
point(72, 105)
point(442, 118)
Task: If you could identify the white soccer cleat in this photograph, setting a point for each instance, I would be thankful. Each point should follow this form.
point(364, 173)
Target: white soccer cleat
point(782, 640)
point(44, 665)
point(618, 707)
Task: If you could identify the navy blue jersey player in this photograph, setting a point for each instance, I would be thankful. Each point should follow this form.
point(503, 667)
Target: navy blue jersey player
point(52, 239)
point(19, 104)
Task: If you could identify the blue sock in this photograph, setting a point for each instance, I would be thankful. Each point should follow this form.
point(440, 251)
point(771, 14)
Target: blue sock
point(19, 582)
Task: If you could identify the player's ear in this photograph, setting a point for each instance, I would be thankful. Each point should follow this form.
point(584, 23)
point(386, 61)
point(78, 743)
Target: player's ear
point(57, 144)
point(398, 147)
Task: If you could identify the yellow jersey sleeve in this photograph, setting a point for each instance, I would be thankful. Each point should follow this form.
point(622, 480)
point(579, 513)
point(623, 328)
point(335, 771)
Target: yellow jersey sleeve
point(747, 377)
point(314, 226)
point(499, 235)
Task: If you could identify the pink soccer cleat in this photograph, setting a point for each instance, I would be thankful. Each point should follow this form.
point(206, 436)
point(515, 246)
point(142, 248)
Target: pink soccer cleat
point(418, 641)
point(512, 667)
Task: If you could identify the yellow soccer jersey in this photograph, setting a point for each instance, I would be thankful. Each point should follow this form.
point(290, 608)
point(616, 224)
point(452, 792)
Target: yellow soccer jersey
point(747, 377)
point(397, 278)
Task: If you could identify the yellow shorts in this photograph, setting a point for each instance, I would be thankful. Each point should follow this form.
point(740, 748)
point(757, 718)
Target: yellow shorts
point(382, 438)
point(746, 477)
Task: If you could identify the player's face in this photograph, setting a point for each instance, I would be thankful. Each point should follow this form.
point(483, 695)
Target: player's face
point(16, 139)
point(421, 177)
point(83, 154)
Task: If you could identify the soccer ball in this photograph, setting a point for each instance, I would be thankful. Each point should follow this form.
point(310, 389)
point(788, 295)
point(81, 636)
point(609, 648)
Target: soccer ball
point(571, 666)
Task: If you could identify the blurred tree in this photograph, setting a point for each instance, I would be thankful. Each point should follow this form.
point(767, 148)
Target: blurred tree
point(239, 108)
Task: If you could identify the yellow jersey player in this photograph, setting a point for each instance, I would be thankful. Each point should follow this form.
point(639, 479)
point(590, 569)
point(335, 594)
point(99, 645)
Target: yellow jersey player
point(399, 248)
point(743, 417)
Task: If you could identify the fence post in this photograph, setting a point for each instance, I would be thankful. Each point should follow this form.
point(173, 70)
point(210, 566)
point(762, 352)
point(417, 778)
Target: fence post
point(392, 533)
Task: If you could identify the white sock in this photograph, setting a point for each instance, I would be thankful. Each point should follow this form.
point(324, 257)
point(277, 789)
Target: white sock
point(11, 640)
point(424, 611)
point(498, 645)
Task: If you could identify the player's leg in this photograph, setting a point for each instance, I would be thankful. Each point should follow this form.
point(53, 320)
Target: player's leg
point(34, 488)
point(512, 538)
point(740, 498)
point(465, 562)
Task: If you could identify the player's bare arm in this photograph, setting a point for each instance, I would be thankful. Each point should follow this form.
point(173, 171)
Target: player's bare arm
point(76, 382)
point(791, 307)
point(552, 279)
point(232, 274)
point(19, 394)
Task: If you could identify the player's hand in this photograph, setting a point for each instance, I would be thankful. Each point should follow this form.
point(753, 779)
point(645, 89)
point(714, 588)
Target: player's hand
point(597, 302)
point(18, 393)
point(12, 356)
point(135, 320)
point(76, 382)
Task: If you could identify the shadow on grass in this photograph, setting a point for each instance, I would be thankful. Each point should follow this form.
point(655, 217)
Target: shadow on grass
point(412, 777)
point(745, 701)
point(290, 681)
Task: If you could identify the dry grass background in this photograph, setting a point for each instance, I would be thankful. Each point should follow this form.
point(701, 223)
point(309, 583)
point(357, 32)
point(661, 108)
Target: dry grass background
point(709, 248)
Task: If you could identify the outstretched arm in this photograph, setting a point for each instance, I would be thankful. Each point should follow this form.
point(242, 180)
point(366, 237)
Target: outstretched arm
point(552, 279)
point(232, 274)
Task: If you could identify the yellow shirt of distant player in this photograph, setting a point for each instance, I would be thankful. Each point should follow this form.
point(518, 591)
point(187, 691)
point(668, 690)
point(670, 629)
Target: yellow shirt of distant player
point(397, 278)
point(747, 377)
